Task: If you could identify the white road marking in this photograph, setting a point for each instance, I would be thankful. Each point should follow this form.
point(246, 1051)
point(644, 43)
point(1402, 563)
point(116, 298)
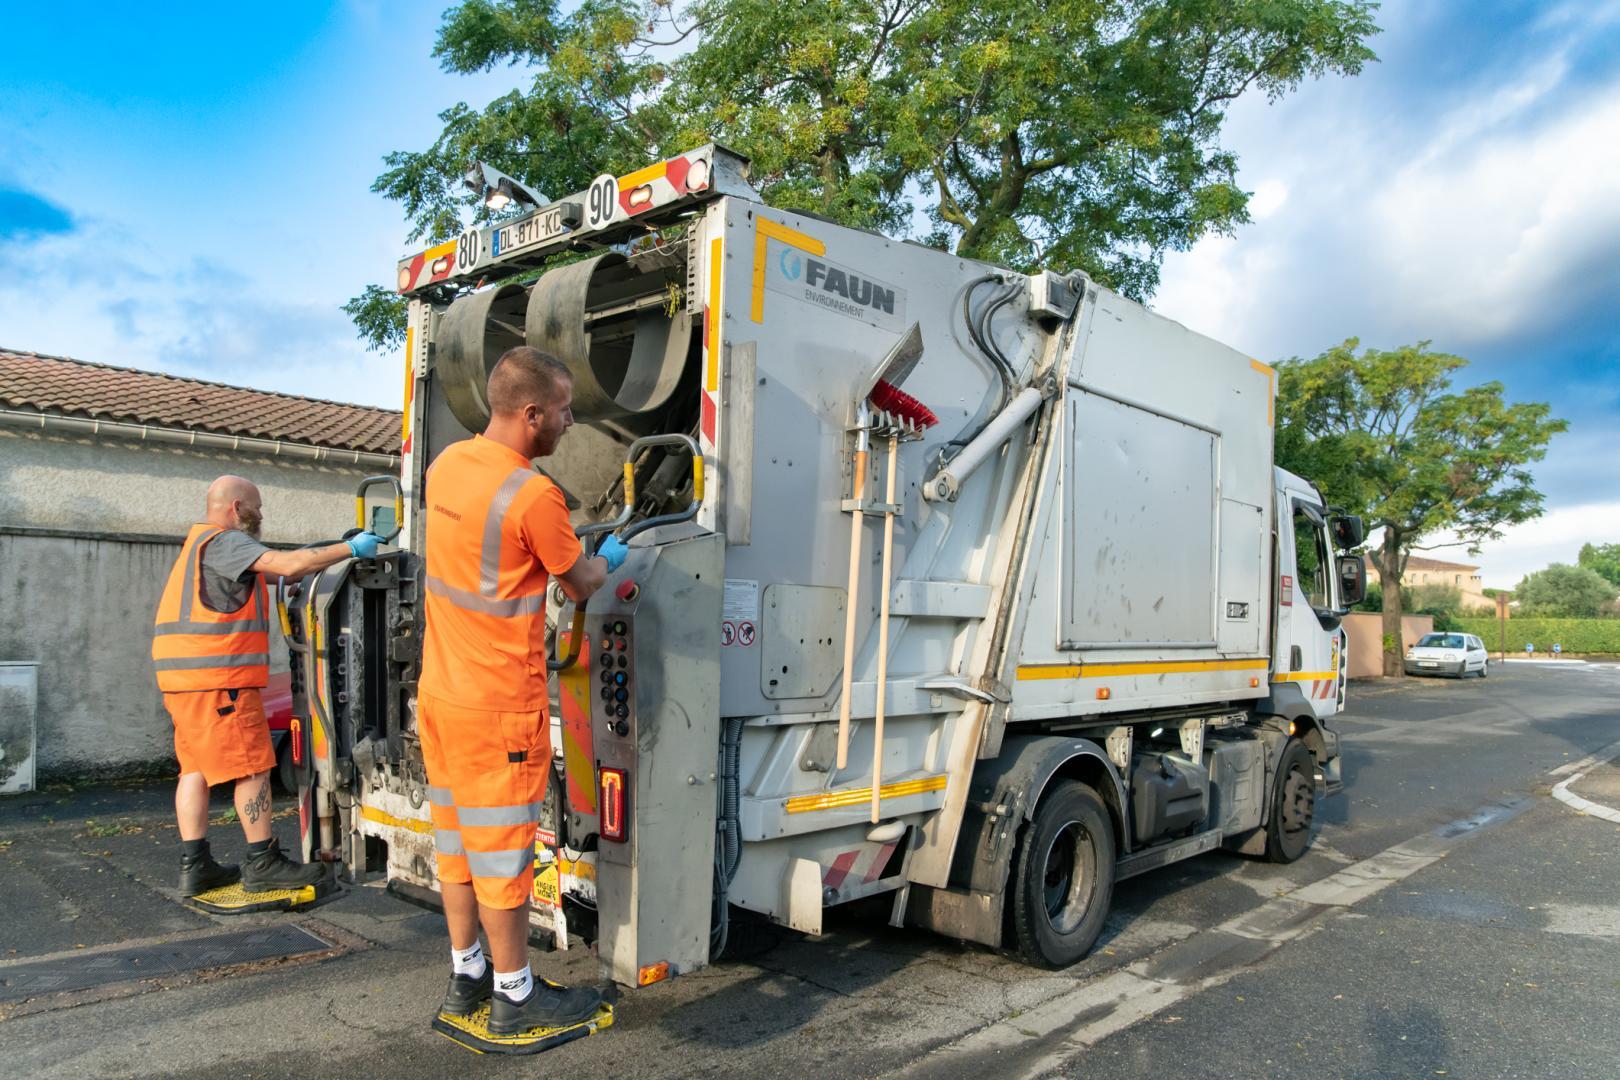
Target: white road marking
point(1041, 1039)
point(1583, 920)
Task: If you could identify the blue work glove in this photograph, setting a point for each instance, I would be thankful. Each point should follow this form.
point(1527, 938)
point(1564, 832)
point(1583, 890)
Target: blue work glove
point(614, 551)
point(363, 545)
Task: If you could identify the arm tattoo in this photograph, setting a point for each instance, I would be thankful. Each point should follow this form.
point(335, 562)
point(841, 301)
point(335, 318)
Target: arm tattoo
point(258, 804)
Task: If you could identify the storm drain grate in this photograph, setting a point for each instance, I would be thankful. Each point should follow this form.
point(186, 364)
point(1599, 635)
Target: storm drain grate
point(80, 972)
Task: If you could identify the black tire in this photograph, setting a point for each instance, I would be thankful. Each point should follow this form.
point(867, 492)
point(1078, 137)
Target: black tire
point(1484, 669)
point(1063, 877)
point(1293, 805)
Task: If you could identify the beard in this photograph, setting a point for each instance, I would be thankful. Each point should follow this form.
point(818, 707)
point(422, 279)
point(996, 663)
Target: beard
point(251, 522)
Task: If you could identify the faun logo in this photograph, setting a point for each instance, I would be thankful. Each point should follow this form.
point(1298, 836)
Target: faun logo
point(852, 287)
point(447, 513)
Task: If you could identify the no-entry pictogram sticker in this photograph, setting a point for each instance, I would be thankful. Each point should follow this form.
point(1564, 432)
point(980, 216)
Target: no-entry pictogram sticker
point(745, 634)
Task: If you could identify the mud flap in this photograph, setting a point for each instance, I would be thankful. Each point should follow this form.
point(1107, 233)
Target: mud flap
point(235, 900)
point(472, 1031)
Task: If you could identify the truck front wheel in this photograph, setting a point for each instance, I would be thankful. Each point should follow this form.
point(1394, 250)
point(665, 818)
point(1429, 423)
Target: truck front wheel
point(1293, 805)
point(1063, 877)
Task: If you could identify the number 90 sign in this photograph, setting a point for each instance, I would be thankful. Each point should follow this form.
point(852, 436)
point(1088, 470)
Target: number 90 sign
point(602, 201)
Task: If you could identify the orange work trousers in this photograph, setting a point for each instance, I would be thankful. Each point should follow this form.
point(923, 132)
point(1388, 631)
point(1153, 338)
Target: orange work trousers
point(486, 781)
point(220, 733)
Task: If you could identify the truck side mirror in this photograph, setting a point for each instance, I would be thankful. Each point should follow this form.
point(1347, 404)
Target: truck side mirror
point(1352, 577)
point(1347, 531)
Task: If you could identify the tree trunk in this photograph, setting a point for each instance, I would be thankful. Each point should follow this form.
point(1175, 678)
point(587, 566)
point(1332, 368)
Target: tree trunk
point(1389, 573)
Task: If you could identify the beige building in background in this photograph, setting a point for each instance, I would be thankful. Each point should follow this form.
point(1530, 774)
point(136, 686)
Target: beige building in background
point(102, 471)
point(1460, 576)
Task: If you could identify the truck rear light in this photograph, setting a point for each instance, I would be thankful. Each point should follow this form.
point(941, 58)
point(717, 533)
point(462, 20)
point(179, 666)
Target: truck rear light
point(295, 732)
point(652, 973)
point(610, 785)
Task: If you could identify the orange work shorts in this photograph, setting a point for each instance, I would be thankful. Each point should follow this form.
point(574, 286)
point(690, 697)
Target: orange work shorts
point(220, 733)
point(486, 780)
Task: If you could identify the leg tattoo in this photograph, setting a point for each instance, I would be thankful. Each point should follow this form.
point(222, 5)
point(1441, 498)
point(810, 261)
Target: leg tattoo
point(258, 804)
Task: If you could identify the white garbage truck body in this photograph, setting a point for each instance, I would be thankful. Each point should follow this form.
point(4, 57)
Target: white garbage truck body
point(1092, 629)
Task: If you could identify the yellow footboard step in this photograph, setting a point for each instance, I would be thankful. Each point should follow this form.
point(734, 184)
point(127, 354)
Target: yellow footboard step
point(472, 1031)
point(235, 900)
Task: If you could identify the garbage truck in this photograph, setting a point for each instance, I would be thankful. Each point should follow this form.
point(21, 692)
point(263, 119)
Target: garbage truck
point(973, 589)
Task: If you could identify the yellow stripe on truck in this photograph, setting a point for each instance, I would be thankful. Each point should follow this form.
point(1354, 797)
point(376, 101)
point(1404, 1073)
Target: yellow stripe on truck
point(832, 800)
point(382, 817)
point(1027, 672)
point(1304, 676)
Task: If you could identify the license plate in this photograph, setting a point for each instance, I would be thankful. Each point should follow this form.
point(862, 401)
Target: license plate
point(1427, 663)
point(534, 229)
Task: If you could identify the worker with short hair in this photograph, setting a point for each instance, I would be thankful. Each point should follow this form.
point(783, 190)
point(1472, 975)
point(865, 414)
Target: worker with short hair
point(497, 530)
point(211, 649)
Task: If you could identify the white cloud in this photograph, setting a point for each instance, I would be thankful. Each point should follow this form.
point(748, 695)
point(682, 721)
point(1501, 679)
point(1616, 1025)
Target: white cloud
point(1555, 537)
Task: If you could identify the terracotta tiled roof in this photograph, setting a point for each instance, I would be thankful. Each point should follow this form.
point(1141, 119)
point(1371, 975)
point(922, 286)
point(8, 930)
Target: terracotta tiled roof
point(56, 384)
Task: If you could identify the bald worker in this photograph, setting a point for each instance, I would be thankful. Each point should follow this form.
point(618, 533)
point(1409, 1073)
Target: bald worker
point(211, 648)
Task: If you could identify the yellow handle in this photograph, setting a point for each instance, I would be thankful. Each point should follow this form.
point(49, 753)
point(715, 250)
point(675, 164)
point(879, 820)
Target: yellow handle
point(360, 510)
point(286, 622)
point(697, 477)
point(629, 483)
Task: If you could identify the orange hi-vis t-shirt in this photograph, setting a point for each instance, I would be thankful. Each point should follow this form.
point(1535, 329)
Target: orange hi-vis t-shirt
point(496, 530)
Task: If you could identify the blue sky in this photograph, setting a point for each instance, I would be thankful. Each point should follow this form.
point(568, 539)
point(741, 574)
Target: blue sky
point(186, 188)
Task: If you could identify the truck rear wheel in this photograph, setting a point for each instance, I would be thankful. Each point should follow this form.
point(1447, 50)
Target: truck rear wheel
point(1293, 805)
point(1063, 877)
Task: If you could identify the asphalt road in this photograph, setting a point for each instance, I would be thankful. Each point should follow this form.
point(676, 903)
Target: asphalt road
point(1453, 919)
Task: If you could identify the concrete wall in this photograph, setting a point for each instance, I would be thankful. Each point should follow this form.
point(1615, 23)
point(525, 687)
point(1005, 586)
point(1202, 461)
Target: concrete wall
point(125, 487)
point(1366, 633)
point(88, 532)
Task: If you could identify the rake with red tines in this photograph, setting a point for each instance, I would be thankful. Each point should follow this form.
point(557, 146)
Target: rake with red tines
point(879, 406)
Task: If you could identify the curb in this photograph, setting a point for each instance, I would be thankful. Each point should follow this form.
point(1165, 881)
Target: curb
point(1586, 806)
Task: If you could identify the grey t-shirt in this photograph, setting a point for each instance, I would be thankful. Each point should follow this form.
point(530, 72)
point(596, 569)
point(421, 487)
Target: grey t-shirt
point(227, 583)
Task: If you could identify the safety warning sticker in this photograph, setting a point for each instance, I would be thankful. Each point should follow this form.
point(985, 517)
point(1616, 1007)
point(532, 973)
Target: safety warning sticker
point(740, 601)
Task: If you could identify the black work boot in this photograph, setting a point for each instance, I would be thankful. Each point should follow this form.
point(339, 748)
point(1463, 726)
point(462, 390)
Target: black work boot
point(269, 870)
point(467, 993)
point(199, 872)
point(546, 1006)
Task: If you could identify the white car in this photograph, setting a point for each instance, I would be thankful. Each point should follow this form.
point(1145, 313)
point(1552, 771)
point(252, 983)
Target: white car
point(1446, 654)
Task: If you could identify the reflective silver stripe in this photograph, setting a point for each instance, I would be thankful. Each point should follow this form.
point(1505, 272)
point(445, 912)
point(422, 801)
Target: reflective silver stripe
point(448, 841)
point(461, 598)
point(500, 864)
point(192, 582)
point(192, 663)
point(442, 797)
point(237, 626)
point(489, 564)
point(522, 814)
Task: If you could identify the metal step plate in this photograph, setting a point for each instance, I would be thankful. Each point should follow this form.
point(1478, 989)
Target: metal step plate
point(235, 900)
point(472, 1031)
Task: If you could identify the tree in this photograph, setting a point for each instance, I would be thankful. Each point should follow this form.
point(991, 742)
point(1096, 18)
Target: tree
point(1077, 134)
point(1603, 559)
point(1564, 591)
point(1437, 600)
point(1380, 434)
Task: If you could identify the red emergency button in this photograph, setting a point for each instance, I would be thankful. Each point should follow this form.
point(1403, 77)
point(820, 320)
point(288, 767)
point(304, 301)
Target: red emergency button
point(627, 591)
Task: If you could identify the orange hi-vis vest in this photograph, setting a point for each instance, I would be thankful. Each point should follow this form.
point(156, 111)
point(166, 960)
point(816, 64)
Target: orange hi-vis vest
point(495, 527)
point(197, 648)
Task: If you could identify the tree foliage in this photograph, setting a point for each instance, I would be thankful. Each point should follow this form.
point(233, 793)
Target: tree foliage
point(1603, 559)
point(1074, 134)
point(1564, 591)
point(1382, 434)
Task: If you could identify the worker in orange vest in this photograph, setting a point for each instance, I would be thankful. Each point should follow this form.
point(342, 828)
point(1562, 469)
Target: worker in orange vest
point(496, 531)
point(211, 648)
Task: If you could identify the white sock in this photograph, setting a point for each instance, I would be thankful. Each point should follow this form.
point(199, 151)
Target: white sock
point(514, 985)
point(469, 961)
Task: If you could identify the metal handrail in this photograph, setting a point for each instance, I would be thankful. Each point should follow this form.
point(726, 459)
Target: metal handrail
point(399, 503)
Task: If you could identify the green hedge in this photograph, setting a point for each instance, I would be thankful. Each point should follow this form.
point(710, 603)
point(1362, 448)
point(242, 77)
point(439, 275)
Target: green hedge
point(1575, 635)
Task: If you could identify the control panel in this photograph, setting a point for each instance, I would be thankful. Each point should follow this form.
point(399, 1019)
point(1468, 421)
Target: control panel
point(615, 676)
